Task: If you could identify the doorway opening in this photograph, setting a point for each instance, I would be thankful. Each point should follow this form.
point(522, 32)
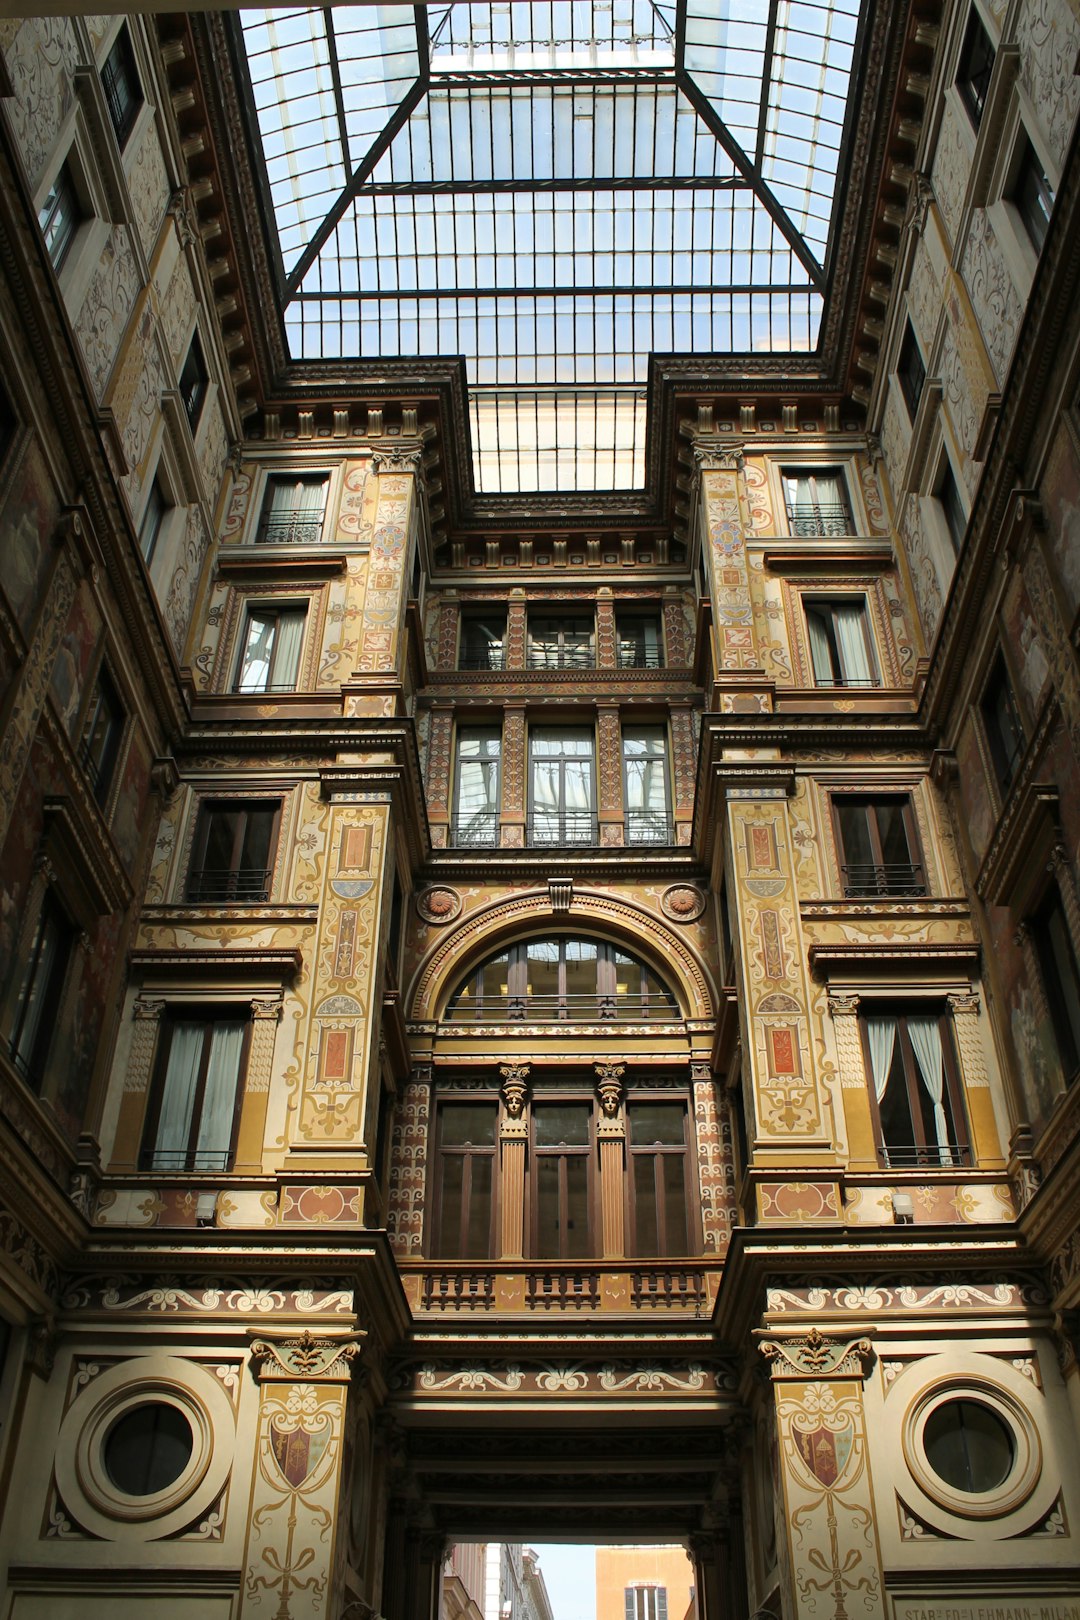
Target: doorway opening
point(492, 1580)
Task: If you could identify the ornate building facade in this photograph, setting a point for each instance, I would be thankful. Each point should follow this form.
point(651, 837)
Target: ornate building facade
point(538, 1015)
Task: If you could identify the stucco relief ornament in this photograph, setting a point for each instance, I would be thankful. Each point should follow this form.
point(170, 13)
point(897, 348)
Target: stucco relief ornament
point(439, 904)
point(682, 903)
point(609, 1088)
point(515, 1087)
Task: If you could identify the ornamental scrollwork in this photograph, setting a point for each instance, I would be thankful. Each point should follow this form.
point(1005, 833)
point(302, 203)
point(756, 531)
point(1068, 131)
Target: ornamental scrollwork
point(312, 1358)
point(816, 1356)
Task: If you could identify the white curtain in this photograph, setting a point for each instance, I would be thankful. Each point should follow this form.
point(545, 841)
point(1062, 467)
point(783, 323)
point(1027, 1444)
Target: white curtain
point(288, 641)
point(255, 669)
point(174, 1125)
point(219, 1097)
point(926, 1043)
point(820, 652)
point(849, 622)
point(881, 1038)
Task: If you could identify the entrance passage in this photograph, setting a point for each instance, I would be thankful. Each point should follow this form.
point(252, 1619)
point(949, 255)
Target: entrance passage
point(568, 1581)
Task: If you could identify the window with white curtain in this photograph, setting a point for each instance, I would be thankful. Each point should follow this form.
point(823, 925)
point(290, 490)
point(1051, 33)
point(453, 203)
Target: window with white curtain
point(271, 644)
point(292, 512)
point(476, 786)
point(841, 651)
point(917, 1099)
point(646, 804)
point(562, 788)
point(193, 1119)
point(816, 501)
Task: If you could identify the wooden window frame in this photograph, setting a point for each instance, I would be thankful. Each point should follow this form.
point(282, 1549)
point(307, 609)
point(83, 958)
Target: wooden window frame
point(952, 1091)
point(639, 659)
point(566, 655)
point(824, 605)
point(119, 80)
point(973, 70)
point(485, 657)
point(207, 809)
point(656, 1152)
point(256, 607)
point(911, 370)
point(437, 1244)
point(537, 1155)
point(194, 384)
point(1005, 761)
point(208, 1016)
point(879, 887)
point(1055, 992)
point(569, 820)
point(826, 518)
point(33, 1066)
point(456, 819)
point(275, 481)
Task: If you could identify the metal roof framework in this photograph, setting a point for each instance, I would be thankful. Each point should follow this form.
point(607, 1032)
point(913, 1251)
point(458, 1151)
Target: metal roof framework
point(554, 190)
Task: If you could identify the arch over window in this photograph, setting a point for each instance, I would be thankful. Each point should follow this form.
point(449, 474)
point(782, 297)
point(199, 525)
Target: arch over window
point(562, 977)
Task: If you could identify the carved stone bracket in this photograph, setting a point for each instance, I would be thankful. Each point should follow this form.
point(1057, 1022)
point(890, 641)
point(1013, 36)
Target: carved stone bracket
point(515, 1087)
point(711, 458)
point(609, 1086)
point(396, 461)
point(816, 1356)
point(310, 1358)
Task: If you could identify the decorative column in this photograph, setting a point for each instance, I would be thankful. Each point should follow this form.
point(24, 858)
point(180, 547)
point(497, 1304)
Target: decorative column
point(146, 1014)
point(611, 1139)
point(715, 1161)
point(295, 1512)
point(854, 1082)
point(408, 1164)
point(513, 1138)
point(833, 1553)
point(437, 780)
point(676, 631)
point(605, 629)
point(720, 1571)
point(374, 686)
point(609, 773)
point(515, 630)
point(964, 1006)
point(684, 753)
point(265, 1017)
point(447, 632)
point(512, 813)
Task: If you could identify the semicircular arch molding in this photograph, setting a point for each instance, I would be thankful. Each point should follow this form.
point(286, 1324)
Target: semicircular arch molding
point(505, 922)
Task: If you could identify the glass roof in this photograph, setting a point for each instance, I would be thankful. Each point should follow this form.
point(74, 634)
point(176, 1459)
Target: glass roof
point(554, 190)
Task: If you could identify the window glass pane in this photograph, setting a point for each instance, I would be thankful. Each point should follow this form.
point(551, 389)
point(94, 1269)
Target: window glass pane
point(892, 831)
point(120, 82)
point(657, 1122)
point(255, 854)
point(542, 959)
point(581, 959)
point(855, 834)
point(494, 977)
point(896, 1124)
point(147, 1449)
point(546, 1182)
point(59, 217)
point(969, 1446)
point(673, 1173)
point(646, 1215)
point(478, 1215)
point(222, 837)
point(576, 1245)
point(561, 1124)
point(467, 1124)
point(453, 1194)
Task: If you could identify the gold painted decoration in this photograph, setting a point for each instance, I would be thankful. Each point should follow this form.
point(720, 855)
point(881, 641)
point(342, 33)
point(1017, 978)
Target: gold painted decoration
point(682, 902)
point(439, 904)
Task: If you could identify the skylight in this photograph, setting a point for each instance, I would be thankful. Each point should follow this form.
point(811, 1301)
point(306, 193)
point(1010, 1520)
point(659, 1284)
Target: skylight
point(554, 190)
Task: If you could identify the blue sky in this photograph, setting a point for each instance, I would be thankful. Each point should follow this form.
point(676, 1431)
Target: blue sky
point(570, 1577)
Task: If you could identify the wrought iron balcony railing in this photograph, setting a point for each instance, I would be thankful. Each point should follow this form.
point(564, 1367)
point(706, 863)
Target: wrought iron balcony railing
point(563, 827)
point(210, 884)
point(478, 830)
point(954, 1155)
point(809, 518)
point(647, 1007)
point(865, 881)
point(538, 657)
point(491, 657)
point(645, 827)
point(636, 655)
point(865, 681)
point(187, 1159)
point(290, 529)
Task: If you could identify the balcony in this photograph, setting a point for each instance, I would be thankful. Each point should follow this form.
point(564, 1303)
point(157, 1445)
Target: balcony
point(900, 880)
point(541, 657)
point(952, 1157)
point(645, 827)
point(182, 1159)
point(493, 656)
point(290, 529)
point(555, 828)
point(477, 831)
point(636, 655)
point(213, 886)
point(810, 519)
point(652, 1285)
point(597, 1007)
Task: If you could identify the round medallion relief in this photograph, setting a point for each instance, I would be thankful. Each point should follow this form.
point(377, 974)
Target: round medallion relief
point(439, 904)
point(682, 903)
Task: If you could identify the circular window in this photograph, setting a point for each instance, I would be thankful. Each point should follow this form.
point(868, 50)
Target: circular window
point(969, 1446)
point(147, 1449)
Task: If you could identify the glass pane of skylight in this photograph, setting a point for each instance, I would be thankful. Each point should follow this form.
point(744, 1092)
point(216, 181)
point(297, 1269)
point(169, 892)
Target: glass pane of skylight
point(480, 36)
point(579, 440)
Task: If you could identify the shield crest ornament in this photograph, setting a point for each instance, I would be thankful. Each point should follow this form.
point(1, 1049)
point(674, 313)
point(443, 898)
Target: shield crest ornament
point(297, 1451)
point(826, 1452)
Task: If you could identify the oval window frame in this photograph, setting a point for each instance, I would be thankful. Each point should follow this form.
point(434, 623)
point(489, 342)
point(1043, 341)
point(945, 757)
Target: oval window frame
point(1021, 1479)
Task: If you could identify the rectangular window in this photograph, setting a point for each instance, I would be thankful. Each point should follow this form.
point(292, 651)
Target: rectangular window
point(561, 643)
point(911, 371)
point(270, 653)
point(657, 1141)
point(476, 787)
point(916, 1093)
point(1032, 194)
point(975, 67)
point(293, 508)
point(233, 853)
point(197, 1103)
point(1061, 978)
point(646, 1603)
point(193, 382)
point(840, 647)
point(8, 422)
point(646, 807)
point(465, 1167)
point(483, 641)
point(1002, 725)
point(561, 1165)
point(952, 507)
point(816, 502)
point(101, 736)
point(152, 520)
point(120, 82)
point(40, 989)
point(60, 216)
point(878, 846)
point(562, 803)
point(639, 641)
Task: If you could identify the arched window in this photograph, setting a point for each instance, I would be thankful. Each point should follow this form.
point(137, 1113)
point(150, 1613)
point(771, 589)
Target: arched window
point(562, 977)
